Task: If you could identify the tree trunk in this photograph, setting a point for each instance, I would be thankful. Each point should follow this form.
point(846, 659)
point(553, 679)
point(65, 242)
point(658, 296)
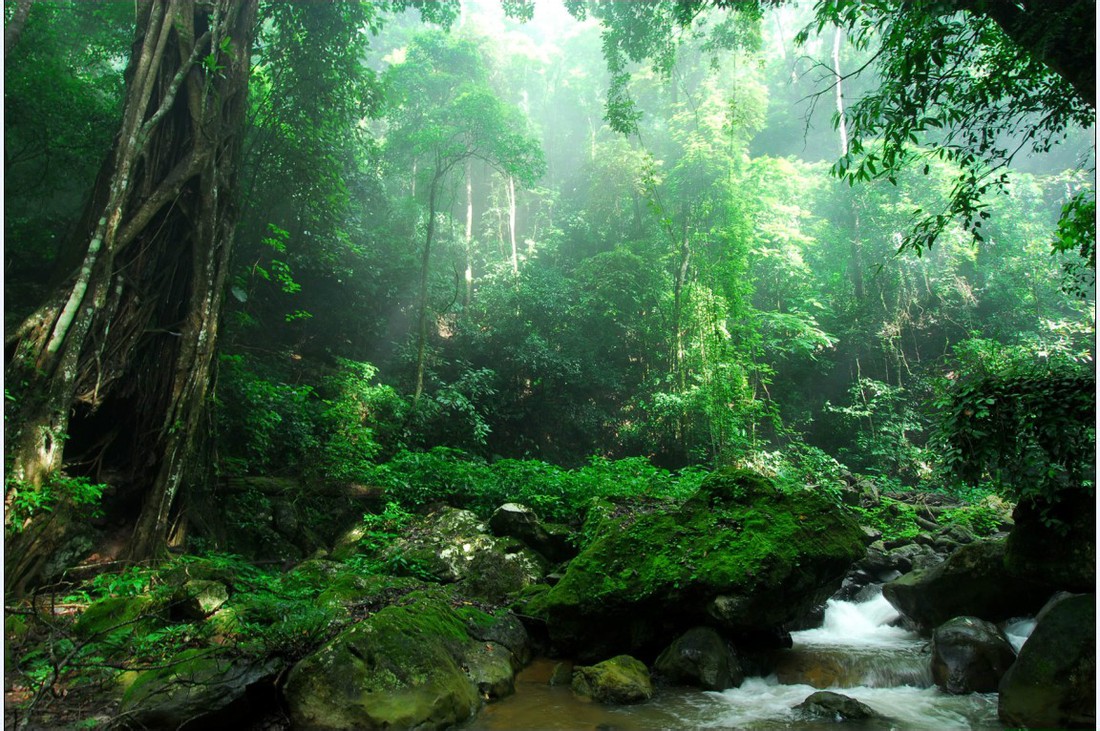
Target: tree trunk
point(469, 235)
point(14, 27)
point(855, 253)
point(422, 303)
point(112, 371)
point(512, 223)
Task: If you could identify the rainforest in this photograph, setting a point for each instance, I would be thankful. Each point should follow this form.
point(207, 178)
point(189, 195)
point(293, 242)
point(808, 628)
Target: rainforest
point(549, 364)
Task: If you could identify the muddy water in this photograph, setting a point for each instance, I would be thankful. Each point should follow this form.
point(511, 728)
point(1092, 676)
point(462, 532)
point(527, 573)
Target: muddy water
point(856, 652)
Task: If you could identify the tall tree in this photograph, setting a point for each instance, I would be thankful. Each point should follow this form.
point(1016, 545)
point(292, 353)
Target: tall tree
point(112, 370)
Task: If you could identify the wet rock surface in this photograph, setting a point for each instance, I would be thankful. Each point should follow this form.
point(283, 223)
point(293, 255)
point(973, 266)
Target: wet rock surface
point(969, 655)
point(1053, 681)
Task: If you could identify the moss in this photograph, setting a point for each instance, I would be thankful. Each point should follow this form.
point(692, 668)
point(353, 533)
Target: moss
point(119, 614)
point(622, 679)
point(740, 535)
point(395, 669)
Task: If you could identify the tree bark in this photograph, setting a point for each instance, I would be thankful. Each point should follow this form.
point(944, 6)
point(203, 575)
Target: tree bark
point(125, 346)
point(13, 29)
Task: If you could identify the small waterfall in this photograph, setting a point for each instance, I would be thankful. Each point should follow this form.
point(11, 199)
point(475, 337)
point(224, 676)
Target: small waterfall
point(857, 645)
point(1017, 631)
point(859, 652)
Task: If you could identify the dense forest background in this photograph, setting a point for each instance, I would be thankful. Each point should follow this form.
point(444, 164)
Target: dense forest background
point(465, 238)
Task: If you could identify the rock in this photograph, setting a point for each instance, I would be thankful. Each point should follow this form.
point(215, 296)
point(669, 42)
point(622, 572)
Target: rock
point(398, 668)
point(701, 658)
point(116, 614)
point(562, 674)
point(502, 628)
point(197, 599)
point(490, 667)
point(969, 655)
point(192, 685)
point(620, 680)
point(453, 545)
point(551, 541)
point(1061, 558)
point(740, 555)
point(826, 704)
point(1053, 682)
point(972, 582)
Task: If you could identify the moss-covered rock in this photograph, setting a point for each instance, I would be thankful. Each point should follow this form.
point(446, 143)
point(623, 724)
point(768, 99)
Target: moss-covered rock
point(974, 582)
point(413, 664)
point(453, 545)
point(1052, 684)
point(620, 680)
point(120, 614)
point(193, 684)
point(763, 555)
point(197, 599)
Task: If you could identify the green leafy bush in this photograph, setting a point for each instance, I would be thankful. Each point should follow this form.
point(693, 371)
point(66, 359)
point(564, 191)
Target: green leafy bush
point(1024, 421)
point(26, 501)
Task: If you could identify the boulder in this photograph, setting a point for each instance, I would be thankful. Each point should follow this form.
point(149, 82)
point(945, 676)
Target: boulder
point(189, 687)
point(701, 658)
point(972, 582)
point(741, 555)
point(1062, 556)
point(1053, 681)
point(453, 545)
point(620, 680)
point(549, 540)
point(826, 704)
point(409, 665)
point(197, 599)
point(969, 655)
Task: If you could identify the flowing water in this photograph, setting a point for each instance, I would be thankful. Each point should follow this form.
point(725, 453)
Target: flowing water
point(855, 652)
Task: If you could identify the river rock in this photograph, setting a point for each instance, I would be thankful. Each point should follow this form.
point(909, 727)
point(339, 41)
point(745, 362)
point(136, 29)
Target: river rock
point(549, 540)
point(969, 655)
point(620, 680)
point(410, 665)
point(701, 658)
point(972, 582)
point(453, 545)
point(190, 686)
point(741, 555)
point(826, 704)
point(1053, 681)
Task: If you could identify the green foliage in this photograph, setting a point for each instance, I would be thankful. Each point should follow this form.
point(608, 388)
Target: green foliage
point(889, 431)
point(447, 475)
point(347, 421)
point(1027, 424)
point(930, 93)
point(59, 489)
point(1076, 234)
point(894, 519)
point(266, 425)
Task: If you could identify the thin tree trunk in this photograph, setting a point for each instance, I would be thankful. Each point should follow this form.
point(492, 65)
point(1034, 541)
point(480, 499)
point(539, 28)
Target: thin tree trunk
point(469, 235)
point(855, 253)
point(512, 223)
point(422, 303)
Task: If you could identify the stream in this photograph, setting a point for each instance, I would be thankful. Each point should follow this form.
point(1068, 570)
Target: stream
point(855, 652)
